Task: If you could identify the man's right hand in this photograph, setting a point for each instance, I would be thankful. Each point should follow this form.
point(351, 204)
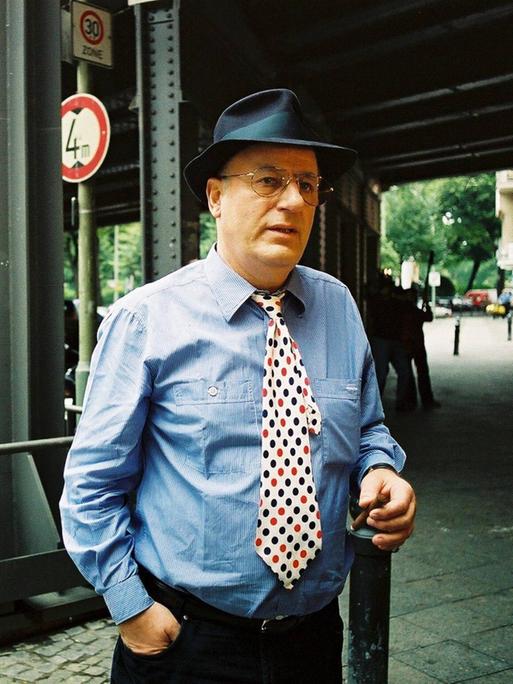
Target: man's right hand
point(151, 631)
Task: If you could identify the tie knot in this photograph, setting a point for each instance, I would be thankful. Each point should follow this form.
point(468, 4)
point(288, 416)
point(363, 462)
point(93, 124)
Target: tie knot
point(270, 303)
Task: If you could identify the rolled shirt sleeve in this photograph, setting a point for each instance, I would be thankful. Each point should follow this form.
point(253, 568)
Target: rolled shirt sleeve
point(105, 464)
point(376, 443)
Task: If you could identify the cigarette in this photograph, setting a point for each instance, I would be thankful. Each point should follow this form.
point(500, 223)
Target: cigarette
point(359, 521)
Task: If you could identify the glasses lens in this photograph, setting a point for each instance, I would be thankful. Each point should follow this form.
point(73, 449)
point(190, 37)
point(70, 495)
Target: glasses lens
point(324, 191)
point(309, 188)
point(267, 182)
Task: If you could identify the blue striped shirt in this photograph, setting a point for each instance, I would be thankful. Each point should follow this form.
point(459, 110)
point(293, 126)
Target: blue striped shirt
point(173, 411)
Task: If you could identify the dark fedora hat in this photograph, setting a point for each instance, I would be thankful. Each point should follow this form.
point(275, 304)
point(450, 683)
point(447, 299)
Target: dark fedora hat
point(269, 116)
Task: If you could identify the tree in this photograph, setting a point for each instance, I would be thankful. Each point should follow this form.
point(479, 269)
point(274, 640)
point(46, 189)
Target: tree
point(455, 217)
point(412, 221)
point(467, 204)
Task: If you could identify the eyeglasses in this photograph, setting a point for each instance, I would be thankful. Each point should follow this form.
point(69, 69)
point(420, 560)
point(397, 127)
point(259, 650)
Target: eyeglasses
point(270, 182)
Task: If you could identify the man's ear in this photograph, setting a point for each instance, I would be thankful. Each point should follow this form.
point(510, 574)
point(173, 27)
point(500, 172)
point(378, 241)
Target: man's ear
point(214, 188)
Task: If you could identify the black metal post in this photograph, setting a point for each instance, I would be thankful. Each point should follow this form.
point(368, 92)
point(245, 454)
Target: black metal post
point(369, 611)
point(457, 336)
point(509, 325)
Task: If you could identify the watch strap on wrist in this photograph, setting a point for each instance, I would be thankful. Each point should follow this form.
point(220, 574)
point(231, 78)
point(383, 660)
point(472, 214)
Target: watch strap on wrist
point(380, 466)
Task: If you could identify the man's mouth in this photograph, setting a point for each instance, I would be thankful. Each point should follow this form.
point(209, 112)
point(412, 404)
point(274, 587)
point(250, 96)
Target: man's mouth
point(283, 229)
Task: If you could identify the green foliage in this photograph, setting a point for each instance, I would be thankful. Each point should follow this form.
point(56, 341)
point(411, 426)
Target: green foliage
point(208, 233)
point(454, 217)
point(389, 257)
point(413, 222)
point(125, 257)
point(118, 255)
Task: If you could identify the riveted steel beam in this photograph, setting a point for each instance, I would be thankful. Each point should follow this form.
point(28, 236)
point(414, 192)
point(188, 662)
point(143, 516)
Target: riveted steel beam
point(168, 138)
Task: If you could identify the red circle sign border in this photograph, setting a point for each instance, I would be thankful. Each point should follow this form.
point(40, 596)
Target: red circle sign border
point(86, 101)
point(100, 23)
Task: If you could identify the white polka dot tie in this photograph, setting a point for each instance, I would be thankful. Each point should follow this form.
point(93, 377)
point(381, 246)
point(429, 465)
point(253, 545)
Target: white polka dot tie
point(289, 528)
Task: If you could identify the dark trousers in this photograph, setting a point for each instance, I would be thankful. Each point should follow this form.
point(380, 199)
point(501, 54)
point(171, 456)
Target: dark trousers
point(386, 352)
point(214, 653)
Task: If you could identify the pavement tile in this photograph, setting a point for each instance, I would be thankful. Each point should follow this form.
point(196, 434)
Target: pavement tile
point(14, 669)
point(400, 673)
point(505, 677)
point(403, 638)
point(495, 642)
point(31, 676)
point(451, 621)
point(94, 671)
point(498, 605)
point(431, 591)
point(494, 576)
point(451, 661)
point(86, 637)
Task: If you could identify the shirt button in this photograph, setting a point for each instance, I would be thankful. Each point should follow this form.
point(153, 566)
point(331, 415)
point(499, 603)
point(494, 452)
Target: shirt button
point(213, 391)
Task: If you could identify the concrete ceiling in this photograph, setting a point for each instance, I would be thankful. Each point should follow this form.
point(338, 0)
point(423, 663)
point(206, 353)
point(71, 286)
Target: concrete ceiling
point(421, 88)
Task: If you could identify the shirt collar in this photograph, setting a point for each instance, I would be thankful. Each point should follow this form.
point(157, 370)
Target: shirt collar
point(231, 290)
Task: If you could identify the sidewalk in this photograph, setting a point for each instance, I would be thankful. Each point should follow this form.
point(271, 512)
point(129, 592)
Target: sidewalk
point(452, 583)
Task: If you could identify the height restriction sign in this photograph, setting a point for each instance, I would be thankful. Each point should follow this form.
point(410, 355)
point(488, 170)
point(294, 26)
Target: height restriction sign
point(85, 136)
point(92, 34)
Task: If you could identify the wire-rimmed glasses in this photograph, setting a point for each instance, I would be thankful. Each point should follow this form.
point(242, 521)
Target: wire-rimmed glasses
point(269, 181)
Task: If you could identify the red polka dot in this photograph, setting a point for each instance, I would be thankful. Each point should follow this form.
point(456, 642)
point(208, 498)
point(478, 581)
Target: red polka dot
point(307, 381)
point(283, 548)
point(302, 408)
point(293, 471)
point(269, 362)
point(278, 332)
point(264, 392)
point(295, 564)
point(274, 482)
point(318, 515)
point(306, 449)
point(258, 542)
point(273, 521)
point(276, 559)
point(271, 323)
point(280, 471)
point(319, 534)
point(265, 433)
point(281, 511)
point(304, 499)
point(289, 360)
point(279, 452)
point(283, 422)
point(284, 371)
point(280, 402)
point(297, 528)
point(305, 392)
point(303, 554)
point(294, 345)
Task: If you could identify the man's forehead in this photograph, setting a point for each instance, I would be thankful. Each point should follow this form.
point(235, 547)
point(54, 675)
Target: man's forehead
point(270, 154)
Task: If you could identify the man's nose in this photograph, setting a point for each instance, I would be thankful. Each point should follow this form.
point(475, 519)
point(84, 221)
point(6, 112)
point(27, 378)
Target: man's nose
point(290, 197)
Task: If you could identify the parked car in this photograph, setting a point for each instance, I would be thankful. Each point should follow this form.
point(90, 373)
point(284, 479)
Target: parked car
point(442, 311)
point(495, 310)
point(461, 304)
point(480, 298)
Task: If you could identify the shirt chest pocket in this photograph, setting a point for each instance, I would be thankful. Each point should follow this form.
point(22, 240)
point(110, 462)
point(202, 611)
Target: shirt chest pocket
point(339, 403)
point(218, 425)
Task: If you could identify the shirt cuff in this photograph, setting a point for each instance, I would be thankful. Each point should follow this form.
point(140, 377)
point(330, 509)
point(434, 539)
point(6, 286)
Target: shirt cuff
point(379, 457)
point(127, 599)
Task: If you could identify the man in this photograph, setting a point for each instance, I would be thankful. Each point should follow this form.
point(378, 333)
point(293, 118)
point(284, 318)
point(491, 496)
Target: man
point(237, 396)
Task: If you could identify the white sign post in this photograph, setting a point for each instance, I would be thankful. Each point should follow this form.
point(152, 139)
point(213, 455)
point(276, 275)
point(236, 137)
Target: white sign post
point(85, 136)
point(434, 281)
point(91, 34)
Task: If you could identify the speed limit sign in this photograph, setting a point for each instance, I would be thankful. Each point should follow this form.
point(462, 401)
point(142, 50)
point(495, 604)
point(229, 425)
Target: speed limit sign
point(92, 34)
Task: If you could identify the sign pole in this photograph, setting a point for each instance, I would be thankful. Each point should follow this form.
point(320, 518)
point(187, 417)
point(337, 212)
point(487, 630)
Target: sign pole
point(87, 262)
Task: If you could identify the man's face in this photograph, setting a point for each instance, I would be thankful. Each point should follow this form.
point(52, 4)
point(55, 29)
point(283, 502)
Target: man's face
point(262, 238)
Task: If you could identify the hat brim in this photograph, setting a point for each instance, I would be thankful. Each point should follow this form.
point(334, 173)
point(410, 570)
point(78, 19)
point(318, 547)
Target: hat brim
point(333, 160)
